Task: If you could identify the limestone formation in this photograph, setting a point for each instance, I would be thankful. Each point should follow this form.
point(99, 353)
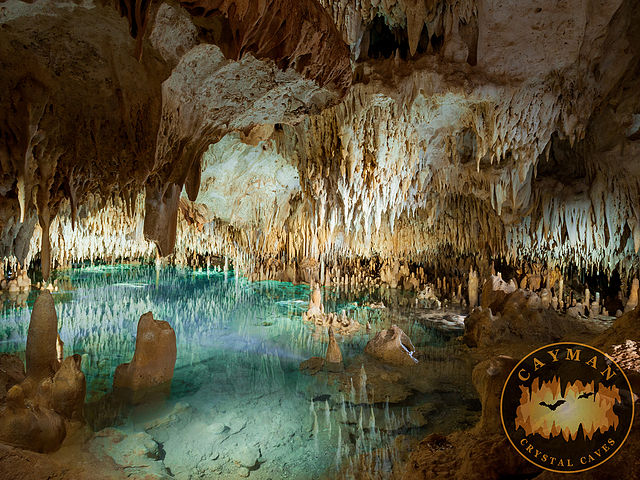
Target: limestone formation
point(473, 289)
point(69, 388)
point(11, 373)
point(392, 346)
point(315, 303)
point(37, 429)
point(495, 291)
point(633, 296)
point(151, 368)
point(365, 146)
point(333, 355)
point(42, 354)
point(36, 407)
point(519, 316)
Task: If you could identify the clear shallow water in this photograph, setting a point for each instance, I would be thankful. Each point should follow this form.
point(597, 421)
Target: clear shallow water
point(237, 384)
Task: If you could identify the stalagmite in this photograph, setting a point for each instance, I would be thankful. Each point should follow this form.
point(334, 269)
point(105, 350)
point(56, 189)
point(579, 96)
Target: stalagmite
point(41, 355)
point(473, 289)
point(393, 346)
point(633, 296)
point(333, 356)
point(151, 369)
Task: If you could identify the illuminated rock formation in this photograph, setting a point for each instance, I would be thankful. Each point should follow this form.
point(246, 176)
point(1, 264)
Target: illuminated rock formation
point(333, 355)
point(315, 303)
point(633, 296)
point(42, 354)
point(69, 388)
point(352, 144)
point(473, 289)
point(518, 316)
point(151, 369)
point(38, 406)
point(392, 345)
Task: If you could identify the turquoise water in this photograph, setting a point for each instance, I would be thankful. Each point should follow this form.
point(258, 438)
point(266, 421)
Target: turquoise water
point(237, 383)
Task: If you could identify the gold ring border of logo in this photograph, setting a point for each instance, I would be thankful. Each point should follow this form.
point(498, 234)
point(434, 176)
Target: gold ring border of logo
point(582, 345)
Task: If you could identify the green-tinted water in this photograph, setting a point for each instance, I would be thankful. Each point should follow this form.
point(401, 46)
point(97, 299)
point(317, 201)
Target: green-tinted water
point(237, 388)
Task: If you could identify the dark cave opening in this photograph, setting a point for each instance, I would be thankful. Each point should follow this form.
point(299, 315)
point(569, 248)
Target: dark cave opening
point(382, 41)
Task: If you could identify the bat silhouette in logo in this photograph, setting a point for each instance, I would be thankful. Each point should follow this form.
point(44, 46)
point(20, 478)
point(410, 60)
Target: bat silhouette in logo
point(553, 406)
point(585, 395)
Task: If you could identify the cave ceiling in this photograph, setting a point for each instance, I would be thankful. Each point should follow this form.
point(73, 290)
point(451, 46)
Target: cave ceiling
point(393, 128)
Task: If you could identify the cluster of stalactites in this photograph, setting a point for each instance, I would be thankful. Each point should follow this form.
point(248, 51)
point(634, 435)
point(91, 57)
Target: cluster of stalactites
point(374, 185)
point(352, 17)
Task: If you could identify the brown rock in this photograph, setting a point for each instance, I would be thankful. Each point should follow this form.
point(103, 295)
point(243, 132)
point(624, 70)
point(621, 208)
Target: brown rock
point(481, 453)
point(285, 31)
point(333, 354)
point(42, 355)
point(518, 318)
point(312, 366)
point(11, 373)
point(333, 357)
point(69, 388)
point(489, 378)
point(37, 429)
point(626, 327)
point(153, 361)
point(494, 292)
point(392, 346)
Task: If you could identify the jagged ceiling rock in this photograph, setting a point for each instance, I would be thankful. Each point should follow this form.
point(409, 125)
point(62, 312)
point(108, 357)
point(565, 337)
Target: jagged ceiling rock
point(91, 111)
point(415, 128)
point(247, 185)
point(298, 35)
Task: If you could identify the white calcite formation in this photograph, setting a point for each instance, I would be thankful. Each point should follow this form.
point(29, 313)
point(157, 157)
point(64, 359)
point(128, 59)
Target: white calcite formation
point(401, 131)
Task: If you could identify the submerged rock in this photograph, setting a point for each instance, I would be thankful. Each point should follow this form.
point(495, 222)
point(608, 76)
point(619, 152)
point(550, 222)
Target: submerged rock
point(247, 456)
point(481, 453)
point(312, 366)
point(138, 453)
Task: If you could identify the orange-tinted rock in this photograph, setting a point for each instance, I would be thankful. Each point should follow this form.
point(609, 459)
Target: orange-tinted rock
point(392, 346)
point(333, 355)
point(37, 429)
point(153, 361)
point(518, 317)
point(489, 378)
point(69, 388)
point(11, 373)
point(494, 292)
point(42, 354)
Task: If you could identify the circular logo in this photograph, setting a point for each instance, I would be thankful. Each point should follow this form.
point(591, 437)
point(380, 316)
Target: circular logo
point(567, 407)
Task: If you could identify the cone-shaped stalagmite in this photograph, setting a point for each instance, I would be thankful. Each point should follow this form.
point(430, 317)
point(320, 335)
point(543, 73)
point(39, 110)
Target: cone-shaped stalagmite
point(333, 350)
point(153, 360)
point(42, 355)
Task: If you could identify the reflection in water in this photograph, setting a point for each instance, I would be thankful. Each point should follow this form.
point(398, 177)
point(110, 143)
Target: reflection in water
point(237, 384)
